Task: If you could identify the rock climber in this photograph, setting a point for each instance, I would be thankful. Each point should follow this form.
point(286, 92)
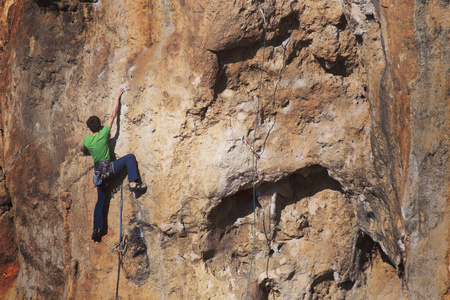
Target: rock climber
point(97, 145)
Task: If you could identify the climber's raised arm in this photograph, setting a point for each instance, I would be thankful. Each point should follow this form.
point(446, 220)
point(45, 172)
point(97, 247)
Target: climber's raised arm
point(115, 107)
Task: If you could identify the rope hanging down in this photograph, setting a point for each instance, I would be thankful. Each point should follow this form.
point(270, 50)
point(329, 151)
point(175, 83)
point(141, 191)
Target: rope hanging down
point(266, 23)
point(120, 243)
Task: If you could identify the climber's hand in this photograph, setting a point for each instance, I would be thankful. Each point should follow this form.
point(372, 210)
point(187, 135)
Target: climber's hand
point(120, 92)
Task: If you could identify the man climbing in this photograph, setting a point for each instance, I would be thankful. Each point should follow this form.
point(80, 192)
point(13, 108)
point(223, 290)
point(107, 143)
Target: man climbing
point(97, 144)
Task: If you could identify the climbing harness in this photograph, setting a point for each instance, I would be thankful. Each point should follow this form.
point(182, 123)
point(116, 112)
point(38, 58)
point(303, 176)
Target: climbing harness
point(119, 253)
point(103, 170)
point(266, 23)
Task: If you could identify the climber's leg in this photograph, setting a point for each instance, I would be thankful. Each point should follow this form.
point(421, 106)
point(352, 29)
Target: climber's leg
point(98, 212)
point(129, 162)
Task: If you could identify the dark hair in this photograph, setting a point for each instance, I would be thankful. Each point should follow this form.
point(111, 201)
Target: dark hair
point(94, 124)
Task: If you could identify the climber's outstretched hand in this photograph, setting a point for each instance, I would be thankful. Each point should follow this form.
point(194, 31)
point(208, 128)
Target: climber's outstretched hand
point(120, 92)
point(115, 106)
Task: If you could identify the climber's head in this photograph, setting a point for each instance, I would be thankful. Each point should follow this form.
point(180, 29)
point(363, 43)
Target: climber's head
point(94, 124)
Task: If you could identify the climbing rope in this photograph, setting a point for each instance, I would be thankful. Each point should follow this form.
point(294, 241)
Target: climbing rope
point(266, 23)
point(120, 243)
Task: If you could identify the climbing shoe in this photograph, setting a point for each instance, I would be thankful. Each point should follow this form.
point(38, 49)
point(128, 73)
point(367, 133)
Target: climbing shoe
point(139, 187)
point(96, 236)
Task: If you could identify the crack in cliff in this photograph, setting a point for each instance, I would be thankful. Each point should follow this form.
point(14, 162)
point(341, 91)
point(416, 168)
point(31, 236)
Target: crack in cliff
point(16, 157)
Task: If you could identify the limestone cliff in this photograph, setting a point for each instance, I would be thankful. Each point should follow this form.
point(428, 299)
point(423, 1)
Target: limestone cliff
point(348, 117)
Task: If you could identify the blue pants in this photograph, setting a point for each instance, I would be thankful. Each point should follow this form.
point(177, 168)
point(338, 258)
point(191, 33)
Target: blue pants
point(129, 162)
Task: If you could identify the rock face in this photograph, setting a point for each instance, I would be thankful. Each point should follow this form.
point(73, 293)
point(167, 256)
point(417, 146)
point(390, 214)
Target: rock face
point(345, 104)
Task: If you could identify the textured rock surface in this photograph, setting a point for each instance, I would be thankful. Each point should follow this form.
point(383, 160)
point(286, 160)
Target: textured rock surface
point(351, 141)
point(9, 264)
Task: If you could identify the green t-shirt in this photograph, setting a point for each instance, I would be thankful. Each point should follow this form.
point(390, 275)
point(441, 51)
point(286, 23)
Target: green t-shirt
point(98, 145)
